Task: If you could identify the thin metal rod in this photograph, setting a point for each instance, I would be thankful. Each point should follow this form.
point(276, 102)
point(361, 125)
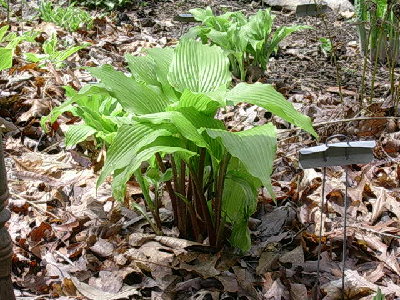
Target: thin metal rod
point(320, 229)
point(344, 233)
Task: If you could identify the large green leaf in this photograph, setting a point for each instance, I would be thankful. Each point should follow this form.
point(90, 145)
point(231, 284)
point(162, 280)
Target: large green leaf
point(238, 204)
point(255, 148)
point(259, 27)
point(198, 102)
point(162, 58)
point(129, 140)
point(134, 96)
point(77, 134)
point(201, 120)
point(166, 145)
point(183, 125)
point(142, 68)
point(219, 38)
point(264, 95)
point(199, 68)
point(5, 58)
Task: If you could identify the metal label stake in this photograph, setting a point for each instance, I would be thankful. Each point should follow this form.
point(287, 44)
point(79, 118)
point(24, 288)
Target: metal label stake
point(335, 154)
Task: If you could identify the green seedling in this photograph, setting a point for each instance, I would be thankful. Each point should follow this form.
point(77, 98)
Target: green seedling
point(379, 295)
point(3, 3)
point(51, 54)
point(326, 46)
point(11, 41)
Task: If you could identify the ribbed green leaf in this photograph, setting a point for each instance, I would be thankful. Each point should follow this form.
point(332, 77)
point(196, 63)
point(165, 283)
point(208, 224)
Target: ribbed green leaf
point(201, 120)
point(142, 68)
point(33, 57)
point(134, 97)
point(5, 58)
point(129, 140)
point(238, 204)
point(199, 68)
point(183, 125)
point(166, 145)
point(240, 236)
point(78, 133)
point(162, 58)
point(199, 102)
point(255, 148)
point(260, 25)
point(264, 95)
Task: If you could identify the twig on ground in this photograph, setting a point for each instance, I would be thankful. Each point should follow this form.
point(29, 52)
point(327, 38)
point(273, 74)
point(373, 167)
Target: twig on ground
point(341, 121)
point(374, 231)
point(34, 205)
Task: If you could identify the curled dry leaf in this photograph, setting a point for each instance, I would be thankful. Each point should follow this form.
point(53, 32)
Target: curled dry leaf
point(357, 286)
point(97, 294)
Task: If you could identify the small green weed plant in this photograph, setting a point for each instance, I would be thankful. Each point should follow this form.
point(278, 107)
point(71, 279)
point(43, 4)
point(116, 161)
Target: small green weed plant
point(52, 54)
point(246, 40)
point(70, 18)
point(326, 46)
point(10, 41)
point(169, 103)
point(3, 3)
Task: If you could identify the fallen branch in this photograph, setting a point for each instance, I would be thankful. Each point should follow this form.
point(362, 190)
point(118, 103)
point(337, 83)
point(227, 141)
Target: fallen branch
point(340, 121)
point(354, 120)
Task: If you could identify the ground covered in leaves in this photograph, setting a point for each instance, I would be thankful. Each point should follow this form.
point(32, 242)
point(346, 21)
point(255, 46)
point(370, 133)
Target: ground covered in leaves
point(72, 242)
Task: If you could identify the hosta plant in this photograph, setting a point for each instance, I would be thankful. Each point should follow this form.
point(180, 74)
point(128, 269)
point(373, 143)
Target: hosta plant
point(246, 40)
point(211, 175)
